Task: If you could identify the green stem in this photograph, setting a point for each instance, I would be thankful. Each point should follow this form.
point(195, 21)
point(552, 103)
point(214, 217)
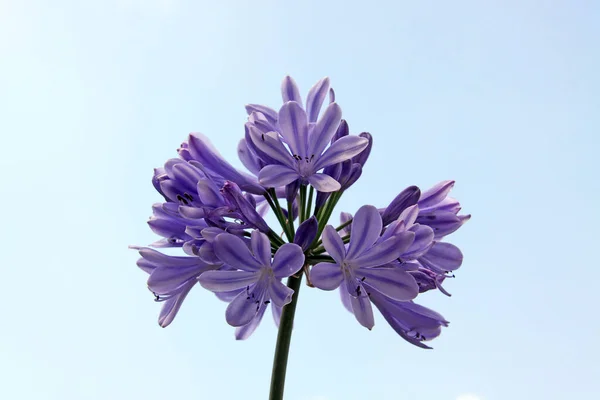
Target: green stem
point(274, 203)
point(302, 212)
point(309, 204)
point(284, 337)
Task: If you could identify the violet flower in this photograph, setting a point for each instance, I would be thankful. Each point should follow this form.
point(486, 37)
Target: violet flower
point(355, 266)
point(256, 272)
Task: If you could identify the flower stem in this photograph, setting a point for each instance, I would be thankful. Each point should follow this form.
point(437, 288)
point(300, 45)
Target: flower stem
point(284, 337)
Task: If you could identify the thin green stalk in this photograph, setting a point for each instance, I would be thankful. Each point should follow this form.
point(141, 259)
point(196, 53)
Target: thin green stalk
point(274, 203)
point(290, 219)
point(284, 337)
point(309, 203)
point(302, 213)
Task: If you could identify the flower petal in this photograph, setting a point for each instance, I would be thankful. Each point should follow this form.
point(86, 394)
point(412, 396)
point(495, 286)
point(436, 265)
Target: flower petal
point(341, 150)
point(442, 257)
point(261, 247)
point(166, 279)
point(248, 158)
point(202, 150)
point(171, 307)
point(226, 281)
point(406, 198)
point(326, 276)
point(316, 96)
point(392, 282)
point(366, 228)
point(294, 127)
point(324, 183)
point(242, 309)
point(289, 90)
point(277, 175)
point(361, 306)
point(279, 293)
point(423, 242)
point(386, 251)
point(233, 251)
point(306, 233)
point(244, 332)
point(270, 144)
point(442, 222)
point(269, 113)
point(288, 260)
point(333, 244)
point(325, 129)
point(436, 194)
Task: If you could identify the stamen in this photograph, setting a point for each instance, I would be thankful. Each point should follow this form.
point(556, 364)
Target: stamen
point(183, 200)
point(188, 196)
point(267, 301)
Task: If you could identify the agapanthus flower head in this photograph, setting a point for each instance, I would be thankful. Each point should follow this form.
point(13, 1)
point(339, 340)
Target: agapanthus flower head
point(301, 159)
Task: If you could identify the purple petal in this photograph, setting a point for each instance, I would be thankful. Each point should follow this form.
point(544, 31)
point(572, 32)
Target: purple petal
point(249, 159)
point(326, 276)
point(306, 233)
point(366, 228)
point(244, 332)
point(325, 129)
point(233, 251)
point(277, 175)
point(279, 293)
point(324, 183)
point(406, 198)
point(345, 297)
point(166, 279)
point(294, 127)
point(276, 311)
point(341, 150)
point(269, 144)
point(289, 90)
point(171, 307)
point(333, 244)
point(392, 282)
point(209, 193)
point(386, 251)
point(442, 222)
point(363, 156)
point(201, 149)
point(409, 215)
point(436, 194)
point(361, 306)
point(331, 95)
point(192, 212)
point(261, 247)
point(316, 96)
point(287, 260)
point(342, 130)
point(241, 310)
point(345, 217)
point(269, 113)
point(226, 281)
point(443, 256)
point(234, 196)
point(423, 242)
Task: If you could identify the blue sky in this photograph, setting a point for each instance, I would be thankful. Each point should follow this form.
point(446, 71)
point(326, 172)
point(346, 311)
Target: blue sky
point(501, 96)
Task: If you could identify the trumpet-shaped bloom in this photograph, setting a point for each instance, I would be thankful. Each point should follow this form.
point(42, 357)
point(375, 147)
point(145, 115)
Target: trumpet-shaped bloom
point(362, 266)
point(258, 275)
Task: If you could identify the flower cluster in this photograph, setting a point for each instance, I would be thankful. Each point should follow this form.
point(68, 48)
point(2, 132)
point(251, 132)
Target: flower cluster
point(301, 159)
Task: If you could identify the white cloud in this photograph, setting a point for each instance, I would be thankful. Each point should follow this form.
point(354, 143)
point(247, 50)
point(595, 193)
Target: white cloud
point(468, 396)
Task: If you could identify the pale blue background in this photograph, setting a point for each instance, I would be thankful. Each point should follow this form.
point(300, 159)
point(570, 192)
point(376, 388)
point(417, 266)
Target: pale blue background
point(501, 96)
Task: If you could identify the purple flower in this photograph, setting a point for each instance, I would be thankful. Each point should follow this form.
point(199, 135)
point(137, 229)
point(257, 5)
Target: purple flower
point(199, 148)
point(268, 133)
point(256, 273)
point(414, 323)
point(363, 266)
point(439, 211)
point(171, 279)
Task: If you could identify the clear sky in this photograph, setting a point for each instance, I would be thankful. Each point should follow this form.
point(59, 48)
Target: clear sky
point(502, 96)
